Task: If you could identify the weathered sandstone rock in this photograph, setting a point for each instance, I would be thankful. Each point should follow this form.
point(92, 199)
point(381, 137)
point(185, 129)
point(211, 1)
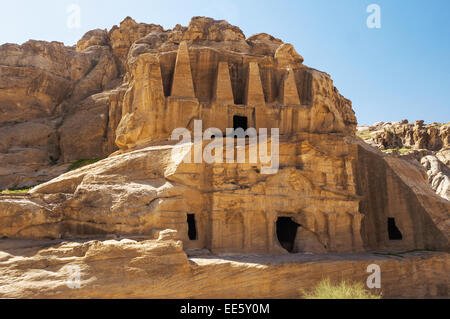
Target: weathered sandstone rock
point(119, 95)
point(427, 144)
point(438, 175)
point(165, 89)
point(126, 268)
point(236, 208)
point(41, 85)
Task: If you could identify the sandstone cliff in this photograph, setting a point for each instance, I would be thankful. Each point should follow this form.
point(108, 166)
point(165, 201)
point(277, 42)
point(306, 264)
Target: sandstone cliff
point(428, 144)
point(119, 94)
point(125, 268)
point(59, 104)
point(56, 106)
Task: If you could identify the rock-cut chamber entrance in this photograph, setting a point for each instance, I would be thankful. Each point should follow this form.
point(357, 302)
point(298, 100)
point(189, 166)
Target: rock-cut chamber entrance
point(393, 232)
point(240, 122)
point(286, 232)
point(192, 227)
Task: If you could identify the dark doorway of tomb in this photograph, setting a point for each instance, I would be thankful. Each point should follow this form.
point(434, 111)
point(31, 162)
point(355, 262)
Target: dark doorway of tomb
point(240, 122)
point(393, 231)
point(192, 227)
point(286, 232)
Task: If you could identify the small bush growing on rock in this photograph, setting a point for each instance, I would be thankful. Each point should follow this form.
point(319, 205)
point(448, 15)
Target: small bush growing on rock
point(402, 150)
point(366, 134)
point(23, 190)
point(343, 290)
point(82, 162)
point(94, 63)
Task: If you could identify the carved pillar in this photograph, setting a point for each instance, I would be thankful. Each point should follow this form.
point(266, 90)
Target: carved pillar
point(223, 92)
point(310, 222)
point(271, 217)
point(350, 178)
point(218, 219)
point(331, 222)
point(290, 92)
point(356, 231)
point(157, 99)
point(254, 94)
point(144, 80)
point(247, 233)
point(182, 84)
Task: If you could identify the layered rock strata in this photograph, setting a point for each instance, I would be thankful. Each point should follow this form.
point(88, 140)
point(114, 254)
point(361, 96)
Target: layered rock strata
point(428, 144)
point(125, 268)
point(330, 192)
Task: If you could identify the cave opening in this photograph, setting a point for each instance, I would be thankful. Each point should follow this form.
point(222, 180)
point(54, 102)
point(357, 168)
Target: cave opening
point(286, 232)
point(240, 122)
point(192, 227)
point(393, 232)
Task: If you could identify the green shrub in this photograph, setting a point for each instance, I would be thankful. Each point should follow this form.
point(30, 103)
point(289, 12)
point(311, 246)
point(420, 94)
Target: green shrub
point(94, 63)
point(366, 134)
point(82, 162)
point(344, 290)
point(22, 190)
point(402, 150)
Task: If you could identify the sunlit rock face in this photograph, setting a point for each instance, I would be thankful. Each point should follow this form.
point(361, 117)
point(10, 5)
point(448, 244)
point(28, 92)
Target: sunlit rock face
point(204, 77)
point(331, 192)
point(428, 144)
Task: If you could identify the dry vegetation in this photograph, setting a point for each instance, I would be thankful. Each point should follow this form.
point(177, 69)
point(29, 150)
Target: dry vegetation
point(343, 290)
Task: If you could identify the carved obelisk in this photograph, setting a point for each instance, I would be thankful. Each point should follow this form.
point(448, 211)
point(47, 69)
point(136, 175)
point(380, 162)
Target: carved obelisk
point(182, 84)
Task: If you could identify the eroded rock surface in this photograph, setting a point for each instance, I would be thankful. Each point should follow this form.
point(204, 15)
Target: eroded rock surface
point(236, 207)
point(124, 268)
point(428, 144)
point(44, 88)
point(72, 103)
point(119, 95)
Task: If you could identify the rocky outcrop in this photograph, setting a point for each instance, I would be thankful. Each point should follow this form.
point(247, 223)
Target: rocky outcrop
point(45, 88)
point(294, 99)
point(432, 137)
point(438, 175)
point(119, 94)
point(427, 144)
point(130, 268)
point(90, 97)
point(210, 71)
point(236, 208)
point(397, 189)
point(123, 37)
point(159, 187)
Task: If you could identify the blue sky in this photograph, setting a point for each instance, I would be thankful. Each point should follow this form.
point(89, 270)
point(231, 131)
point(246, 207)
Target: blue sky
point(400, 71)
